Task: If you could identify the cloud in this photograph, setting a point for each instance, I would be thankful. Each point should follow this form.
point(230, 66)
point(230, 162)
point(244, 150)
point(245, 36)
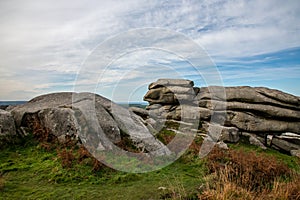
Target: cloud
point(42, 42)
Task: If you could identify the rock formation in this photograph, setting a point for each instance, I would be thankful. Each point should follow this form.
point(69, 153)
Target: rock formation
point(168, 97)
point(65, 116)
point(268, 117)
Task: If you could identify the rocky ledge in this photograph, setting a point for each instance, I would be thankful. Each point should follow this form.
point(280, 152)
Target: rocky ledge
point(267, 117)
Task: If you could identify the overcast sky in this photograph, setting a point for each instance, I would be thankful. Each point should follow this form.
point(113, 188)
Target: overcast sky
point(45, 43)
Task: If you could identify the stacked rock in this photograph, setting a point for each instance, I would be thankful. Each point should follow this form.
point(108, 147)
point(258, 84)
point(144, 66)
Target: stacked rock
point(263, 114)
point(166, 98)
point(268, 117)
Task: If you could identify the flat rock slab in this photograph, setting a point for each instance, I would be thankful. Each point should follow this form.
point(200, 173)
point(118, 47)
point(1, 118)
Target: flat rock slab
point(168, 82)
point(248, 94)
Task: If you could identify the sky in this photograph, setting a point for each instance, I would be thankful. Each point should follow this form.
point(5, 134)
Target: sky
point(49, 47)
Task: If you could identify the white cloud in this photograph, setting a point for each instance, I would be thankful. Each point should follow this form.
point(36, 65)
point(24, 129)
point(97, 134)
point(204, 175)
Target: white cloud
point(55, 38)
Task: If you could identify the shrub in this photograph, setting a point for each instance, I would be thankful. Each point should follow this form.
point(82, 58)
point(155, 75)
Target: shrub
point(284, 190)
point(247, 169)
point(67, 157)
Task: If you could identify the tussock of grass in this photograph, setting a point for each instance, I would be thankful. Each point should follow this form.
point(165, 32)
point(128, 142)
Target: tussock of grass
point(165, 136)
point(2, 183)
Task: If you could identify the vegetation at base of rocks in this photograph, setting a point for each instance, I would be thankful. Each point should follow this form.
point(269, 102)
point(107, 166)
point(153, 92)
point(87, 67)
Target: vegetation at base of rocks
point(240, 174)
point(244, 145)
point(9, 140)
point(172, 124)
point(247, 169)
point(127, 144)
point(165, 136)
point(41, 170)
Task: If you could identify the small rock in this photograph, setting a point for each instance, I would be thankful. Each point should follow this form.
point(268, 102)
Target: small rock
point(254, 141)
point(222, 133)
point(295, 153)
point(168, 82)
point(140, 112)
point(284, 145)
point(222, 145)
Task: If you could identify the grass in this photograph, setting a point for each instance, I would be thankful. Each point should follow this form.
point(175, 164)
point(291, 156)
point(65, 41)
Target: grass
point(35, 170)
point(29, 171)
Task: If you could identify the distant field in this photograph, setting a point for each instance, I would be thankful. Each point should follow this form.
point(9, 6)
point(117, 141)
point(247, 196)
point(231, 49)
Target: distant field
point(11, 103)
point(133, 104)
point(4, 104)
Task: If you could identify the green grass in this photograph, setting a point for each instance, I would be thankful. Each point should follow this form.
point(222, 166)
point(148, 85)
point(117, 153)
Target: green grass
point(31, 172)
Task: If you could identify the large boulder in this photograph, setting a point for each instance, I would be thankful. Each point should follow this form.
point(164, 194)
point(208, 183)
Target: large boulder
point(7, 127)
point(89, 116)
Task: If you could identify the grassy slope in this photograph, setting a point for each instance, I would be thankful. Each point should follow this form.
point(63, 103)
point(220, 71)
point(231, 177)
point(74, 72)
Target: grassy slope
point(30, 172)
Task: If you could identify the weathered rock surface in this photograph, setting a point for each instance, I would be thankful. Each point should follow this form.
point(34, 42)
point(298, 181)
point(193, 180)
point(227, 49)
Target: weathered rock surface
point(269, 118)
point(227, 134)
point(295, 153)
point(260, 112)
point(7, 126)
point(3, 107)
point(171, 91)
point(172, 99)
point(251, 122)
point(169, 82)
point(255, 140)
point(91, 117)
point(284, 145)
point(140, 111)
point(258, 95)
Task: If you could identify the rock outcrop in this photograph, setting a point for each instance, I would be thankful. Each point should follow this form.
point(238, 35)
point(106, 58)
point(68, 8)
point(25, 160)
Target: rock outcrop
point(262, 114)
point(171, 99)
point(95, 119)
point(269, 118)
